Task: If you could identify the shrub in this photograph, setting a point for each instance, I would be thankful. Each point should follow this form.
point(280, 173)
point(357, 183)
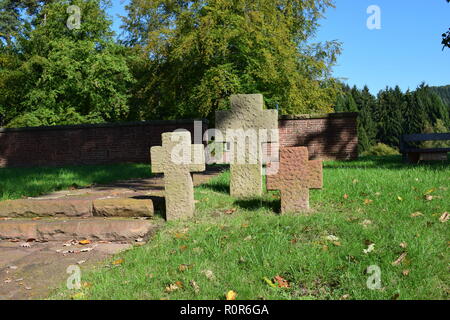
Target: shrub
point(381, 149)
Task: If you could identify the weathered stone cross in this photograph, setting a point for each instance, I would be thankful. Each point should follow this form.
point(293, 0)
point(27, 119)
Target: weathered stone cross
point(177, 158)
point(296, 175)
point(241, 128)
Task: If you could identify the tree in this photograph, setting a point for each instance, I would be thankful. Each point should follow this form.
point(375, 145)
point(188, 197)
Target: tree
point(201, 52)
point(63, 76)
point(446, 36)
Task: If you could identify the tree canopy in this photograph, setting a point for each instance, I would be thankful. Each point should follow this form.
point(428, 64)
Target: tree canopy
point(201, 52)
point(60, 76)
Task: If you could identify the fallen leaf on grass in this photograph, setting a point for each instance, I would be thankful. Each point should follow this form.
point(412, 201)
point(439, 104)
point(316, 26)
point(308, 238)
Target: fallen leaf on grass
point(400, 259)
point(416, 214)
point(230, 211)
point(332, 238)
point(231, 295)
point(345, 196)
point(370, 248)
point(281, 282)
point(183, 248)
point(428, 198)
point(269, 282)
point(194, 286)
point(403, 245)
point(209, 274)
point(405, 273)
point(366, 223)
point(367, 201)
point(174, 287)
point(184, 267)
point(249, 238)
point(345, 297)
point(77, 296)
point(118, 262)
point(445, 217)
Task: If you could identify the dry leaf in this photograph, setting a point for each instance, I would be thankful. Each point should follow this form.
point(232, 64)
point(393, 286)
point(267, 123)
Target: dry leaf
point(184, 267)
point(84, 242)
point(416, 214)
point(171, 288)
point(345, 297)
point(118, 261)
point(209, 274)
point(231, 295)
point(195, 286)
point(345, 196)
point(405, 273)
point(230, 211)
point(400, 259)
point(183, 248)
point(444, 217)
point(370, 248)
point(281, 282)
point(367, 201)
point(428, 197)
point(248, 238)
point(403, 245)
point(332, 238)
point(366, 223)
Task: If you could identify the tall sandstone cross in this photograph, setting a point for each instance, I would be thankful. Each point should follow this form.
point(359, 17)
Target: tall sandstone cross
point(245, 119)
point(177, 158)
point(296, 175)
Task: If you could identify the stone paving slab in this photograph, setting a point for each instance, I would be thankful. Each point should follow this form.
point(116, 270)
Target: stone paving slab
point(80, 229)
point(34, 272)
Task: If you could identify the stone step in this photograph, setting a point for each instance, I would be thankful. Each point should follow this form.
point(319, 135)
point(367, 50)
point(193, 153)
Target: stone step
point(94, 229)
point(106, 207)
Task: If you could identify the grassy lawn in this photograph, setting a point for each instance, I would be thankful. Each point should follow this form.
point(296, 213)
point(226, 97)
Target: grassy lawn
point(244, 245)
point(16, 183)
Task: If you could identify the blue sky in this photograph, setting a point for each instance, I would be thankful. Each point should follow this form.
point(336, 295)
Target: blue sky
point(405, 51)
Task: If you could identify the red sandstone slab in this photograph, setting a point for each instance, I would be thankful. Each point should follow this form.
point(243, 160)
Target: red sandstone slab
point(79, 229)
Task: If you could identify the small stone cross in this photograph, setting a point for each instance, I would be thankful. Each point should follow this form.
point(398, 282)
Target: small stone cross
point(177, 158)
point(296, 175)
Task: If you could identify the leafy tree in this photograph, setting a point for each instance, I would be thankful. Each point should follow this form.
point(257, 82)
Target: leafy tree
point(63, 76)
point(201, 52)
point(446, 36)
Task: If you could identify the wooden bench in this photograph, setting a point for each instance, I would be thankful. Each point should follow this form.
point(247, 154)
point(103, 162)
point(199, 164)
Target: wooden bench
point(414, 154)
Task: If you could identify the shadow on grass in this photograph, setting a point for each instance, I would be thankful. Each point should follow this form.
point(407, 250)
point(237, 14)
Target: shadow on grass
point(258, 203)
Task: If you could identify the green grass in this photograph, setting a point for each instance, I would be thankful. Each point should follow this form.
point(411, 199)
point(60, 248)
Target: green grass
point(253, 243)
point(16, 183)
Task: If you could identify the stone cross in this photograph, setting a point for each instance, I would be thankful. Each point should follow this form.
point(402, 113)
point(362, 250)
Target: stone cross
point(177, 158)
point(245, 120)
point(296, 175)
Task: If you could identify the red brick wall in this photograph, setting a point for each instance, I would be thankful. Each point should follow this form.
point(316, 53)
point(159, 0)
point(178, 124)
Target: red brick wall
point(85, 144)
point(332, 136)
